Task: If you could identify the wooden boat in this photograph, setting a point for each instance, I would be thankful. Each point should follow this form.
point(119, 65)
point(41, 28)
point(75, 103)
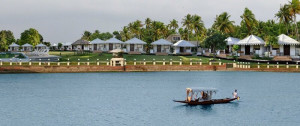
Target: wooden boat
point(205, 99)
point(208, 102)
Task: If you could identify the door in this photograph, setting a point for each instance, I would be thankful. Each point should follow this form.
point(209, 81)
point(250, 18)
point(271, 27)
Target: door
point(286, 50)
point(158, 48)
point(132, 47)
point(111, 46)
point(227, 50)
point(95, 46)
point(181, 49)
point(82, 47)
point(247, 50)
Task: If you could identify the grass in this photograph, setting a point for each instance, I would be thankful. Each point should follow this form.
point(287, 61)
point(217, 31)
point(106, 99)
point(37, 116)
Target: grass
point(129, 58)
point(9, 55)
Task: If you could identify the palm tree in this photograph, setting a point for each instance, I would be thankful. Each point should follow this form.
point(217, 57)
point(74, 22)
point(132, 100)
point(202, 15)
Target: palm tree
point(86, 35)
point(249, 20)
point(284, 16)
point(187, 23)
point(148, 23)
point(294, 8)
point(223, 24)
point(197, 26)
point(125, 34)
point(173, 25)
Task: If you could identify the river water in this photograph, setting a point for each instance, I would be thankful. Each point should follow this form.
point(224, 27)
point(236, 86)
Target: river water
point(145, 98)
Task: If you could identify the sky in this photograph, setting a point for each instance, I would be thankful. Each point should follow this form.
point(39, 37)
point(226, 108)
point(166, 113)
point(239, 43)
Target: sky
point(66, 20)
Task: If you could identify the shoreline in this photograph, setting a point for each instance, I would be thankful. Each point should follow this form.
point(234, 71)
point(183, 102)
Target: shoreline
point(133, 68)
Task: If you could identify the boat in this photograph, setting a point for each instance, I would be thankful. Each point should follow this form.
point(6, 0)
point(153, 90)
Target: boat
point(205, 97)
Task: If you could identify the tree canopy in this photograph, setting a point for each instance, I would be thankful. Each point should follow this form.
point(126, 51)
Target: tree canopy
point(30, 36)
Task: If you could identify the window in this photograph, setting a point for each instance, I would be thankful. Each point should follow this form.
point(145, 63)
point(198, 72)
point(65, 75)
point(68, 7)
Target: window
point(256, 47)
point(176, 38)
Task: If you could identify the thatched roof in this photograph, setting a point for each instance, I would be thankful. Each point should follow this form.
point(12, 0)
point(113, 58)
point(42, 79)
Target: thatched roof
point(81, 42)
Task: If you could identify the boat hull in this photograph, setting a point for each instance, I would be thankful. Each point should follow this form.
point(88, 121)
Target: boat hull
point(208, 102)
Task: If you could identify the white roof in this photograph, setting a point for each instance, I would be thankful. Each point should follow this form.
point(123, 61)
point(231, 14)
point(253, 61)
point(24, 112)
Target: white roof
point(251, 40)
point(67, 43)
point(114, 40)
point(54, 44)
point(183, 43)
point(161, 42)
point(286, 40)
point(97, 41)
point(199, 89)
point(40, 45)
point(232, 41)
point(14, 45)
point(135, 41)
point(26, 45)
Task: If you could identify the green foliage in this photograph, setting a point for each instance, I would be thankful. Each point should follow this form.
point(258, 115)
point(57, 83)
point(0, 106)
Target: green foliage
point(59, 45)
point(87, 35)
point(248, 20)
point(30, 36)
point(117, 35)
point(223, 24)
point(216, 41)
point(236, 47)
point(6, 38)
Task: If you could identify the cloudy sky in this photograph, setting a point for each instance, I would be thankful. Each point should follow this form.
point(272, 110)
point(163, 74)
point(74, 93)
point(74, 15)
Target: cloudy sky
point(65, 20)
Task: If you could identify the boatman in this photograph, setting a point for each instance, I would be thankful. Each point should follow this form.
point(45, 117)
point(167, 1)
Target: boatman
point(235, 94)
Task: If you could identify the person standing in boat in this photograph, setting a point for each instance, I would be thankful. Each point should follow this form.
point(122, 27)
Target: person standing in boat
point(235, 94)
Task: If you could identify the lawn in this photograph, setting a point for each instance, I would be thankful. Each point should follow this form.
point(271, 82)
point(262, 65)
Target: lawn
point(104, 56)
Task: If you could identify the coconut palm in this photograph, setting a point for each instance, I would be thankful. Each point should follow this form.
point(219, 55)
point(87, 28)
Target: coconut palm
point(249, 20)
point(197, 26)
point(125, 34)
point(294, 8)
point(284, 16)
point(173, 25)
point(86, 35)
point(223, 24)
point(148, 22)
point(187, 22)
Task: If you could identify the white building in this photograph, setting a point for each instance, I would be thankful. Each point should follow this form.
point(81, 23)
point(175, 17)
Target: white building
point(286, 46)
point(230, 42)
point(27, 47)
point(183, 47)
point(252, 45)
point(113, 44)
point(14, 47)
point(67, 46)
point(81, 45)
point(161, 46)
point(135, 46)
point(40, 46)
point(98, 45)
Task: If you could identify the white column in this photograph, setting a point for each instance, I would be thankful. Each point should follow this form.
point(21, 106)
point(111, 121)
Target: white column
point(78, 62)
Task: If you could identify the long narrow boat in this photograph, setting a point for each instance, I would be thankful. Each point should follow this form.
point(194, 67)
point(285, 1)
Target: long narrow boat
point(207, 102)
point(205, 97)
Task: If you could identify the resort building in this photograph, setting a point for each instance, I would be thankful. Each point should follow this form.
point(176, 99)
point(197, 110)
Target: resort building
point(67, 46)
point(286, 46)
point(54, 46)
point(174, 38)
point(40, 46)
point(113, 43)
point(135, 46)
point(81, 45)
point(230, 42)
point(27, 47)
point(161, 47)
point(252, 45)
point(183, 47)
point(98, 45)
point(13, 47)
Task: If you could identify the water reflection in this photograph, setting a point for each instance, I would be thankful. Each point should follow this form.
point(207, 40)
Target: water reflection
point(197, 109)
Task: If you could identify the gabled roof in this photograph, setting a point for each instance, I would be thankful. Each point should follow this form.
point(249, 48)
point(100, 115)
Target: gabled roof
point(114, 40)
point(232, 41)
point(26, 45)
point(97, 41)
point(161, 42)
point(286, 40)
point(183, 43)
point(135, 41)
point(54, 44)
point(66, 43)
point(251, 40)
point(14, 45)
point(81, 42)
point(40, 45)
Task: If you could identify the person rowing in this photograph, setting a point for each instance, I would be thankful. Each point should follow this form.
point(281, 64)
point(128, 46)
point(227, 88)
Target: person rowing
point(235, 94)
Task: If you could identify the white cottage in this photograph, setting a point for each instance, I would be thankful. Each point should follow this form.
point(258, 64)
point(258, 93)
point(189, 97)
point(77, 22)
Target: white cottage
point(183, 47)
point(286, 46)
point(14, 47)
point(230, 42)
point(81, 45)
point(135, 46)
point(98, 45)
point(67, 46)
point(161, 46)
point(40, 46)
point(252, 45)
point(113, 44)
point(27, 47)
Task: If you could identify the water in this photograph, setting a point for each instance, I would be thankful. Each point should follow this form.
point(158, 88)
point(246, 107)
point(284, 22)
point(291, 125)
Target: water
point(100, 99)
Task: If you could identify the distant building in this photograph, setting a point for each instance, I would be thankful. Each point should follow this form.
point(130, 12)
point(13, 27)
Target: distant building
point(174, 38)
point(81, 45)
